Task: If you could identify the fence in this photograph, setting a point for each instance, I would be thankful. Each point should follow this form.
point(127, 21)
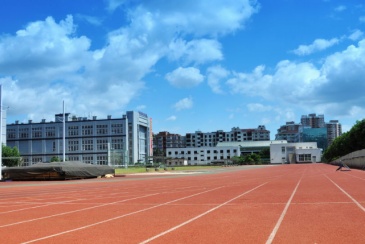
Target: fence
point(354, 160)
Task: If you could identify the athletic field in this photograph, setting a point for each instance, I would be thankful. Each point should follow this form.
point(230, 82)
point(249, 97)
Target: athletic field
point(309, 203)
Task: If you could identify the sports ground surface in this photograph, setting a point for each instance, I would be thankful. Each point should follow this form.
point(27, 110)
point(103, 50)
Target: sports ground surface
point(309, 203)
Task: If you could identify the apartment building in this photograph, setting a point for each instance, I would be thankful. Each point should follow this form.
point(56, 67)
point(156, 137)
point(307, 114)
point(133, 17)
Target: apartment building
point(290, 132)
point(334, 130)
point(312, 128)
point(210, 139)
point(110, 141)
point(164, 140)
point(313, 121)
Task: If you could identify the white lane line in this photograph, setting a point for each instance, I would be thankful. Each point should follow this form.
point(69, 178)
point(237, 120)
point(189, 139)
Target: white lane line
point(276, 228)
point(74, 211)
point(118, 217)
point(348, 195)
point(199, 216)
point(39, 206)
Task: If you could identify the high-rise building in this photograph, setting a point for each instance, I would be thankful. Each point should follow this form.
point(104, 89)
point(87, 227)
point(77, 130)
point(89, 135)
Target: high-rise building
point(312, 128)
point(164, 140)
point(109, 141)
point(290, 132)
point(313, 121)
point(334, 130)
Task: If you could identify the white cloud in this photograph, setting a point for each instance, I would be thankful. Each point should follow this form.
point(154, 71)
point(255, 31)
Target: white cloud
point(90, 19)
point(206, 17)
point(290, 82)
point(114, 4)
point(141, 107)
point(196, 51)
point(257, 107)
point(335, 87)
point(171, 118)
point(50, 58)
point(356, 35)
point(214, 76)
point(185, 77)
point(340, 8)
point(317, 45)
point(185, 103)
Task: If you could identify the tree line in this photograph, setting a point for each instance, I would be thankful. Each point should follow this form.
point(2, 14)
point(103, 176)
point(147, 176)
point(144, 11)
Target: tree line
point(348, 142)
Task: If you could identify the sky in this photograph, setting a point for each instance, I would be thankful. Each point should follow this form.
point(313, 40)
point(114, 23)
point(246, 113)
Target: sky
point(192, 65)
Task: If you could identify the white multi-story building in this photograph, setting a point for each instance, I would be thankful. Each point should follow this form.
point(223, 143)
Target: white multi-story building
point(109, 141)
point(300, 152)
point(204, 155)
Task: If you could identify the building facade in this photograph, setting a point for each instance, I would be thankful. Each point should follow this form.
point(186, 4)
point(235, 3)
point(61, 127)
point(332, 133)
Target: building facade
point(164, 140)
point(203, 155)
point(290, 132)
point(110, 141)
point(334, 130)
point(313, 121)
point(312, 128)
point(289, 153)
point(210, 139)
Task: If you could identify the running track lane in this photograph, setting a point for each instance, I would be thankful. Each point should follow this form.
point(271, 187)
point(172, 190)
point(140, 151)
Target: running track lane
point(134, 228)
point(298, 203)
point(325, 209)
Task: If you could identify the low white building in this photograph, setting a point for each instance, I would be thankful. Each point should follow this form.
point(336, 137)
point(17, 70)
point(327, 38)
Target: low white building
point(176, 162)
point(204, 155)
point(299, 152)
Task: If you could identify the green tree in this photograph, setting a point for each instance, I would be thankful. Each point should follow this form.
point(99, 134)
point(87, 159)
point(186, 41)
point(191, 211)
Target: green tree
point(11, 156)
point(348, 142)
point(55, 159)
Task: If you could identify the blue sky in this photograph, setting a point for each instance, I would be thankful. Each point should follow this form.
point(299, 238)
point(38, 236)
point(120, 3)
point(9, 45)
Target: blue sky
point(190, 65)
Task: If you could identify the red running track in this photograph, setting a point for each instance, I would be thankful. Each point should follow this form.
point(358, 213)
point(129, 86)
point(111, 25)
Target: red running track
point(310, 203)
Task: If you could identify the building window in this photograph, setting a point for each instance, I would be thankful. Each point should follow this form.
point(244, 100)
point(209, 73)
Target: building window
point(73, 158)
point(50, 131)
point(87, 145)
point(87, 130)
point(23, 133)
point(36, 159)
point(117, 128)
point(282, 149)
point(87, 159)
point(305, 157)
point(73, 130)
point(117, 143)
point(73, 145)
point(37, 132)
point(10, 134)
point(102, 159)
point(101, 129)
point(102, 144)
